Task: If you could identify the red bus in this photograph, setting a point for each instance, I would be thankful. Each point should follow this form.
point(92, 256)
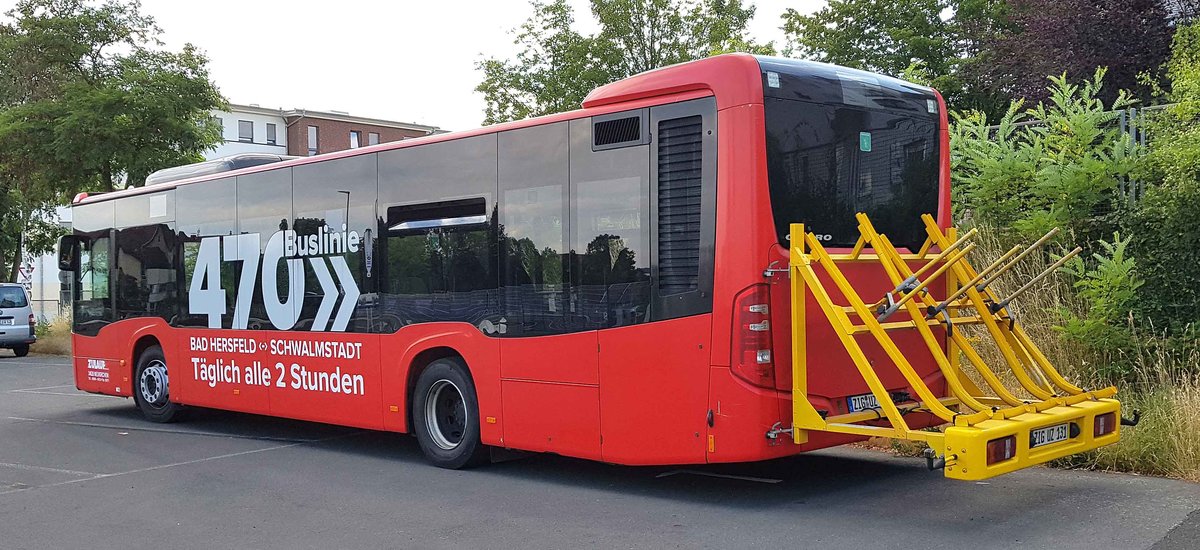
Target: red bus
point(599, 283)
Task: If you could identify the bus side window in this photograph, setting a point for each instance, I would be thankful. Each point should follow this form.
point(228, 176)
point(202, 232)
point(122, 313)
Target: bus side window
point(146, 274)
point(438, 249)
point(533, 175)
point(610, 237)
point(210, 213)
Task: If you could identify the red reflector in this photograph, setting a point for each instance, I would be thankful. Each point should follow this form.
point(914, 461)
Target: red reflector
point(999, 450)
point(1105, 424)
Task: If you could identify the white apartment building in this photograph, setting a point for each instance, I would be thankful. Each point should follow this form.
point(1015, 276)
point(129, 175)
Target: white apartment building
point(250, 129)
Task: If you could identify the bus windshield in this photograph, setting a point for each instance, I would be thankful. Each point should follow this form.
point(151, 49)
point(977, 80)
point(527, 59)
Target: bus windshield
point(840, 142)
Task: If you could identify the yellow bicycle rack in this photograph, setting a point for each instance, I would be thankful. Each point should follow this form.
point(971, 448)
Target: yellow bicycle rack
point(984, 435)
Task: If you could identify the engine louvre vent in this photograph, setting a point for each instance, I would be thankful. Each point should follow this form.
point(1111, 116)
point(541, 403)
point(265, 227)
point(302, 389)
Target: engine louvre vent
point(679, 185)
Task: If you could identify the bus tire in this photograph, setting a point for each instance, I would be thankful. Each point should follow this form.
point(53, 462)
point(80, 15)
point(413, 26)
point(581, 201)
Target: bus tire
point(152, 388)
point(445, 413)
point(21, 350)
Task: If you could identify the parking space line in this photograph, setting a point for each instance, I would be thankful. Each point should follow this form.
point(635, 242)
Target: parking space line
point(164, 430)
point(46, 387)
point(47, 469)
point(31, 364)
point(182, 463)
point(721, 476)
point(77, 394)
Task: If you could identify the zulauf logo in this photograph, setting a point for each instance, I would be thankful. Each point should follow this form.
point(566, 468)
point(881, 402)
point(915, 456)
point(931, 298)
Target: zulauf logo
point(286, 249)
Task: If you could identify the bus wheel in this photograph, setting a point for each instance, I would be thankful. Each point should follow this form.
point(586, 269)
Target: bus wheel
point(21, 350)
point(152, 392)
point(445, 415)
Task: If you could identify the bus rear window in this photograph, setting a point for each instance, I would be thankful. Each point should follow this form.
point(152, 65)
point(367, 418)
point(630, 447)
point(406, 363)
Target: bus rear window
point(827, 162)
point(11, 296)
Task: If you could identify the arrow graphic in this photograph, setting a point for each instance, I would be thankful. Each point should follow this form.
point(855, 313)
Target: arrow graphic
point(350, 291)
point(329, 293)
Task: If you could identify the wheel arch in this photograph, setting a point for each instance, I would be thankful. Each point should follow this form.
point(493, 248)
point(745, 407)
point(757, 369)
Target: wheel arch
point(143, 343)
point(417, 365)
point(411, 349)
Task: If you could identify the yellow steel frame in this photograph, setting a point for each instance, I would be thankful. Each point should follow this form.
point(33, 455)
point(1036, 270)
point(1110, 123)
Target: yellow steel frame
point(972, 417)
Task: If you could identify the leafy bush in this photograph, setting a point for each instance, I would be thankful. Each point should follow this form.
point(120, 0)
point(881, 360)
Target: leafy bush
point(1061, 169)
point(1107, 287)
point(1108, 318)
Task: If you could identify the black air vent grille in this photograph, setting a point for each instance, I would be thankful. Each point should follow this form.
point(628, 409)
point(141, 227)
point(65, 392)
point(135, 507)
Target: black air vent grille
point(679, 165)
point(618, 130)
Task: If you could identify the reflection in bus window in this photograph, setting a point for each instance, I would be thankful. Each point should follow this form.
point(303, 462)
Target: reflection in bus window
point(533, 175)
point(439, 249)
point(612, 245)
point(211, 211)
point(92, 306)
point(146, 273)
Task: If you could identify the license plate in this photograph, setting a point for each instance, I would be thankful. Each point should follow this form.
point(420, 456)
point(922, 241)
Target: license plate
point(6, 321)
point(1048, 435)
point(862, 402)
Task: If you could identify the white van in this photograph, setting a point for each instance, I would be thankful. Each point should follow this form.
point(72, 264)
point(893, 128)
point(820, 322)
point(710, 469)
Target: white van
point(17, 323)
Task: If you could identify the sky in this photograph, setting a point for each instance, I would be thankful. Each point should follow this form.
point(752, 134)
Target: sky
point(403, 60)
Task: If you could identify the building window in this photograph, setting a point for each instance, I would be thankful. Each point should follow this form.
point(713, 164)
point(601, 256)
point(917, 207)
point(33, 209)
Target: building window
point(312, 140)
point(245, 130)
point(355, 139)
point(372, 138)
point(270, 133)
point(220, 126)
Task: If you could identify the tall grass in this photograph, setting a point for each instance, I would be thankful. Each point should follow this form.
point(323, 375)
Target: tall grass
point(53, 338)
point(1161, 375)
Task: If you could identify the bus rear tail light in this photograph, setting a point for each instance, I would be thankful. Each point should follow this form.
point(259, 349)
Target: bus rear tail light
point(752, 358)
point(999, 450)
point(1105, 424)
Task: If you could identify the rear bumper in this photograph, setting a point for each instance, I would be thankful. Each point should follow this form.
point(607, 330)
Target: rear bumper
point(965, 447)
point(16, 338)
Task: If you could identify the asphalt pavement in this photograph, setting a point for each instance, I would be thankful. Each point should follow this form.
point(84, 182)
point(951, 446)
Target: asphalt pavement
point(85, 471)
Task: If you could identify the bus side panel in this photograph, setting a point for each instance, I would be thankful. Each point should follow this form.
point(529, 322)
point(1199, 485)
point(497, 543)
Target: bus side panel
point(742, 415)
point(654, 391)
point(744, 232)
point(101, 362)
point(551, 400)
point(479, 352)
point(567, 358)
point(556, 418)
point(326, 377)
point(105, 363)
point(212, 368)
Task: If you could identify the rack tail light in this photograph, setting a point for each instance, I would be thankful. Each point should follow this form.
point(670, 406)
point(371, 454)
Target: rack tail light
point(999, 450)
point(1104, 424)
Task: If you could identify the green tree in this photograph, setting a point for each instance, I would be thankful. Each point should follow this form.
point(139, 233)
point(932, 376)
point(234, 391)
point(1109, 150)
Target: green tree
point(1049, 37)
point(557, 65)
point(885, 37)
point(89, 100)
point(913, 39)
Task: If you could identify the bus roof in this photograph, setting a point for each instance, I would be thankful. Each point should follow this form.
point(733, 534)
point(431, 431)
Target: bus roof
point(735, 79)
